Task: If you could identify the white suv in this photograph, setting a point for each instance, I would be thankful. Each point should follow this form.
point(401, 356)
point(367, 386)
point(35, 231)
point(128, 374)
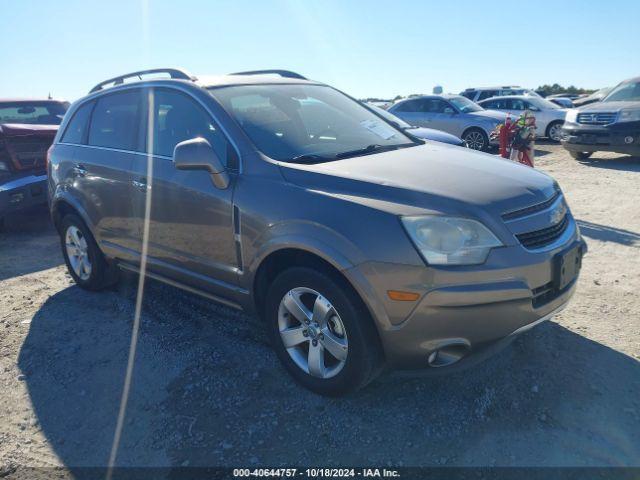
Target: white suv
point(482, 93)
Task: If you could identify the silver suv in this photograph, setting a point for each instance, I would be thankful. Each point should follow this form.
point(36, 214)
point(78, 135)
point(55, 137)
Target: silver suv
point(357, 244)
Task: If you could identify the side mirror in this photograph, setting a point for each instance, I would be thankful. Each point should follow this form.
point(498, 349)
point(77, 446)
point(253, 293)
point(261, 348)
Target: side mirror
point(197, 154)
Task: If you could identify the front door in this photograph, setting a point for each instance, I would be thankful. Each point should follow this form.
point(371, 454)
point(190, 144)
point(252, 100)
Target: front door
point(191, 235)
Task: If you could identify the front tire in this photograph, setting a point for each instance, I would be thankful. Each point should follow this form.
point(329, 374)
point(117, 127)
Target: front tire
point(580, 155)
point(554, 131)
point(85, 261)
point(322, 332)
point(476, 139)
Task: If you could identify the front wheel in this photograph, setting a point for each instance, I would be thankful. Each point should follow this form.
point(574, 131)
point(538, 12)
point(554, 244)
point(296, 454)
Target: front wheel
point(321, 331)
point(83, 257)
point(580, 155)
point(475, 139)
point(554, 131)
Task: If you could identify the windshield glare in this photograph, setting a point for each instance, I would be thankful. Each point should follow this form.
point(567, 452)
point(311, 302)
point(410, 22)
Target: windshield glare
point(625, 92)
point(389, 116)
point(290, 121)
point(464, 105)
point(32, 113)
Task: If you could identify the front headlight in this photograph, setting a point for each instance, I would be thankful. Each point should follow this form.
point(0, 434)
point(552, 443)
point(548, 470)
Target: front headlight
point(629, 115)
point(450, 240)
point(572, 115)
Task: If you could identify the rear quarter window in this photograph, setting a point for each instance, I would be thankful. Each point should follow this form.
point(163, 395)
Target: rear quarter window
point(76, 130)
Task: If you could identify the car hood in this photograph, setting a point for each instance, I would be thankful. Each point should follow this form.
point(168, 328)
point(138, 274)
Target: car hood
point(609, 106)
point(432, 178)
point(492, 114)
point(436, 135)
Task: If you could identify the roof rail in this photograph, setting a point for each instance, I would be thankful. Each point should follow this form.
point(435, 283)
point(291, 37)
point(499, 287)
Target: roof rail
point(282, 73)
point(173, 73)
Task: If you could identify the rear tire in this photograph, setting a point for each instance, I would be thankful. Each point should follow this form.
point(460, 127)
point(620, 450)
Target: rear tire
point(580, 155)
point(554, 131)
point(336, 320)
point(476, 139)
point(85, 262)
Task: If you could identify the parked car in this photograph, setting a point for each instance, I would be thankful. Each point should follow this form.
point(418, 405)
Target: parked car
point(453, 114)
point(597, 96)
point(482, 93)
point(549, 117)
point(420, 132)
point(27, 128)
point(357, 244)
point(561, 100)
point(612, 125)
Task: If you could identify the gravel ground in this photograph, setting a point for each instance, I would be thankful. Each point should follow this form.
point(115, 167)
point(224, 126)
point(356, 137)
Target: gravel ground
point(207, 389)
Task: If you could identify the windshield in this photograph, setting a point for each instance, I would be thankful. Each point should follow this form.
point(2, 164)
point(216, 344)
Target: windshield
point(625, 92)
point(34, 113)
point(389, 116)
point(464, 105)
point(300, 122)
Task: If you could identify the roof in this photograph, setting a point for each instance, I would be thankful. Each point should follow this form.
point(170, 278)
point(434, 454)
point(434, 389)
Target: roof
point(26, 100)
point(239, 78)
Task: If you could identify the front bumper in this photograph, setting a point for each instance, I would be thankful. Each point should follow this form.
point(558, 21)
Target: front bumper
point(21, 193)
point(617, 137)
point(465, 310)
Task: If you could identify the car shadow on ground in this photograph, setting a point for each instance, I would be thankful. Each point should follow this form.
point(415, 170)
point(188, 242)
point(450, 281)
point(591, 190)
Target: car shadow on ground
point(207, 390)
point(28, 243)
point(604, 233)
point(627, 163)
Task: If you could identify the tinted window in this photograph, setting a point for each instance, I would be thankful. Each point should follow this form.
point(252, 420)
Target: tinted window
point(469, 94)
point(411, 106)
point(435, 105)
point(77, 128)
point(516, 104)
point(487, 94)
point(177, 117)
point(38, 113)
point(115, 121)
point(497, 103)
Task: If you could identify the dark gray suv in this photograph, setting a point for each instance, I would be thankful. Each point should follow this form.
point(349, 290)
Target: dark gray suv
point(358, 244)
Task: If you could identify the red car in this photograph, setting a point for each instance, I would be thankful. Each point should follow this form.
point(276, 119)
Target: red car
point(27, 128)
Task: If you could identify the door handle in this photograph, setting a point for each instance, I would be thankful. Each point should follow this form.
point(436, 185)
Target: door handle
point(79, 170)
point(140, 184)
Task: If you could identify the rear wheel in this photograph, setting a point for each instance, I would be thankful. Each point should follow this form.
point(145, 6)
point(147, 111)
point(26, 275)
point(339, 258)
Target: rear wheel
point(321, 332)
point(554, 131)
point(580, 155)
point(475, 139)
point(85, 261)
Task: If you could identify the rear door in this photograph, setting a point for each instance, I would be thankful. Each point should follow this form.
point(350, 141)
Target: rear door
point(412, 112)
point(102, 167)
point(191, 235)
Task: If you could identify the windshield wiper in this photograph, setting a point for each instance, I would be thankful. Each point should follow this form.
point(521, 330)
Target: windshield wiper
point(309, 158)
point(366, 150)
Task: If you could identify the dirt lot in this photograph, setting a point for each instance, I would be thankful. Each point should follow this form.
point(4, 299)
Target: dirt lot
point(207, 389)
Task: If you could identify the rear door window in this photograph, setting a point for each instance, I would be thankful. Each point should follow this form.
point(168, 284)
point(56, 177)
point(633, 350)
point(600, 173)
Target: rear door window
point(411, 106)
point(77, 129)
point(116, 119)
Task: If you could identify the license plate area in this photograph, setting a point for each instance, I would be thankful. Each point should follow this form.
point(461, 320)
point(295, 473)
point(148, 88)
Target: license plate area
point(567, 266)
point(589, 139)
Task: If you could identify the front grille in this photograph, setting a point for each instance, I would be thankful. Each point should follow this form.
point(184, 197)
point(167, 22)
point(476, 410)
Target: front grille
point(28, 152)
point(546, 236)
point(604, 118)
point(538, 207)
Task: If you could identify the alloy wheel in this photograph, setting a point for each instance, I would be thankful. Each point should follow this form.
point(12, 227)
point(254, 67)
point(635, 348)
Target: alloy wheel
point(474, 140)
point(312, 332)
point(555, 132)
point(78, 252)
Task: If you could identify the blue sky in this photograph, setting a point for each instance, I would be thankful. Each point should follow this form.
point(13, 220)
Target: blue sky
point(366, 48)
